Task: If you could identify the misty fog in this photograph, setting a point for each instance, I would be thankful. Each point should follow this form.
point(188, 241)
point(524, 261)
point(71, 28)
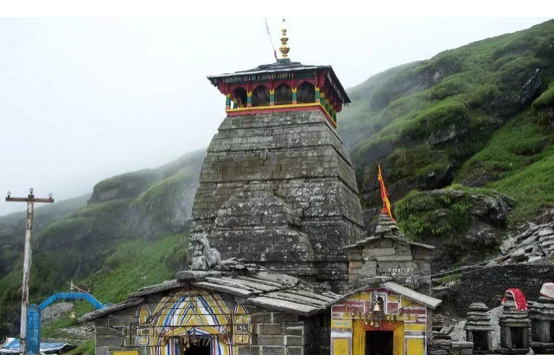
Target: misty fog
point(85, 99)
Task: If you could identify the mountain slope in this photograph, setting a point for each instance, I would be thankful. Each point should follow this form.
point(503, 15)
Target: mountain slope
point(12, 228)
point(139, 216)
point(481, 115)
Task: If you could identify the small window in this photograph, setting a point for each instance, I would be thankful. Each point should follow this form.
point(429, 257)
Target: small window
point(283, 94)
point(305, 93)
point(238, 98)
point(260, 96)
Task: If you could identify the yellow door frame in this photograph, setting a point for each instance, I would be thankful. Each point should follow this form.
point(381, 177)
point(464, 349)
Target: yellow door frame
point(359, 341)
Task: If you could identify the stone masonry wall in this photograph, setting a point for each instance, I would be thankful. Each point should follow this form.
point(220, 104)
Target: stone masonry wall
point(488, 285)
point(112, 333)
point(406, 264)
point(273, 333)
point(287, 334)
point(278, 189)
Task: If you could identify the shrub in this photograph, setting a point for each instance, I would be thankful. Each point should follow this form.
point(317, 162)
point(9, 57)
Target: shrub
point(520, 42)
point(436, 119)
point(448, 87)
point(518, 70)
point(546, 47)
point(483, 94)
point(546, 99)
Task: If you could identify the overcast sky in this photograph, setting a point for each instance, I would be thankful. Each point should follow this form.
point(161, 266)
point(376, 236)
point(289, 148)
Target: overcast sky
point(85, 99)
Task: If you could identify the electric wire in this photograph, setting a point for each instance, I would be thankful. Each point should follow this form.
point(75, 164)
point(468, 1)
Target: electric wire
point(270, 40)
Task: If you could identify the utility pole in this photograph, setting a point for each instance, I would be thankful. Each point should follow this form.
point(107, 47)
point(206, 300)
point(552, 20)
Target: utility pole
point(31, 200)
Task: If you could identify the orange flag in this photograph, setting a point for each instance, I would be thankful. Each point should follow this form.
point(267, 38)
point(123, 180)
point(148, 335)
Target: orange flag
point(384, 197)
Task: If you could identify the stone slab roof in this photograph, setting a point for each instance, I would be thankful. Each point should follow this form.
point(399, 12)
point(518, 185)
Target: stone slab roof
point(413, 295)
point(384, 282)
point(130, 302)
point(263, 289)
point(387, 229)
point(403, 240)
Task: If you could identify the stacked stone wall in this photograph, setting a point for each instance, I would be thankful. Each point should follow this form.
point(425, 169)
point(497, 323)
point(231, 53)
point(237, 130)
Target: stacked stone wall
point(287, 334)
point(113, 334)
point(487, 285)
point(386, 257)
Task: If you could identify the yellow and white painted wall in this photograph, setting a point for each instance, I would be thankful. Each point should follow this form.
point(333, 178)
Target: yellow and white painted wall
point(194, 314)
point(353, 316)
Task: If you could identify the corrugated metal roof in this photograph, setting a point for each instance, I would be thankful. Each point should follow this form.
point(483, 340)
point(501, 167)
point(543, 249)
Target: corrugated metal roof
point(11, 346)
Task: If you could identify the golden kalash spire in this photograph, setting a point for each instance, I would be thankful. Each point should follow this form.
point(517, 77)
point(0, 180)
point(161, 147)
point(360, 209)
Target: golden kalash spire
point(284, 48)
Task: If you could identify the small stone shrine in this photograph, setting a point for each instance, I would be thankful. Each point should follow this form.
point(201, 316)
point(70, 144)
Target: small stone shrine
point(389, 253)
point(479, 329)
point(514, 324)
point(541, 314)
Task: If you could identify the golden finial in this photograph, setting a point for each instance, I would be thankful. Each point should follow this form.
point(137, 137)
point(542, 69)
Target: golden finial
point(284, 48)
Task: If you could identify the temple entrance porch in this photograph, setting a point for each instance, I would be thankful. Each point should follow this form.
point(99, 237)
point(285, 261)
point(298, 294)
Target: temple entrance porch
point(384, 339)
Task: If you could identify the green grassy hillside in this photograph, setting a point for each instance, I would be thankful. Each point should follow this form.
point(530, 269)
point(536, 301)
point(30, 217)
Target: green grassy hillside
point(130, 234)
point(481, 115)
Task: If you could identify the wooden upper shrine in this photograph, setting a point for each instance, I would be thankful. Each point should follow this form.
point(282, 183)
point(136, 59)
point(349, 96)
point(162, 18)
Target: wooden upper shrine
point(282, 86)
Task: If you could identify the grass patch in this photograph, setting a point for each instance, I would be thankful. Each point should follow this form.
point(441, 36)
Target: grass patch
point(444, 216)
point(52, 329)
point(135, 264)
point(546, 99)
point(84, 348)
point(520, 143)
point(531, 187)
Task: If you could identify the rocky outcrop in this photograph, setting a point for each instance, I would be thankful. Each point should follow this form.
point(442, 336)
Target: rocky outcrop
point(523, 81)
point(125, 186)
point(474, 222)
point(414, 79)
point(56, 311)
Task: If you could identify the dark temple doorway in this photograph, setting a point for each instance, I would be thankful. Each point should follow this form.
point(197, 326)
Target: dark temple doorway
point(378, 343)
point(199, 348)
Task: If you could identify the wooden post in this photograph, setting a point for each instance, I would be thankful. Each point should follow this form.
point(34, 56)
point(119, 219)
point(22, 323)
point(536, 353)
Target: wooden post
point(31, 200)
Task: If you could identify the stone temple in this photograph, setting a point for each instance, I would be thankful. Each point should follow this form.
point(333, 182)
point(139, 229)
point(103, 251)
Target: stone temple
point(279, 261)
point(277, 187)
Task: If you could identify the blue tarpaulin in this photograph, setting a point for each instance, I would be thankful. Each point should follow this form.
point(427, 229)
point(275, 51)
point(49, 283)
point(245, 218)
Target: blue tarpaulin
point(11, 347)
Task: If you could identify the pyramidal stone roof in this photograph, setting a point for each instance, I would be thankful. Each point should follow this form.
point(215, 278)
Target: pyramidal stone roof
point(387, 229)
